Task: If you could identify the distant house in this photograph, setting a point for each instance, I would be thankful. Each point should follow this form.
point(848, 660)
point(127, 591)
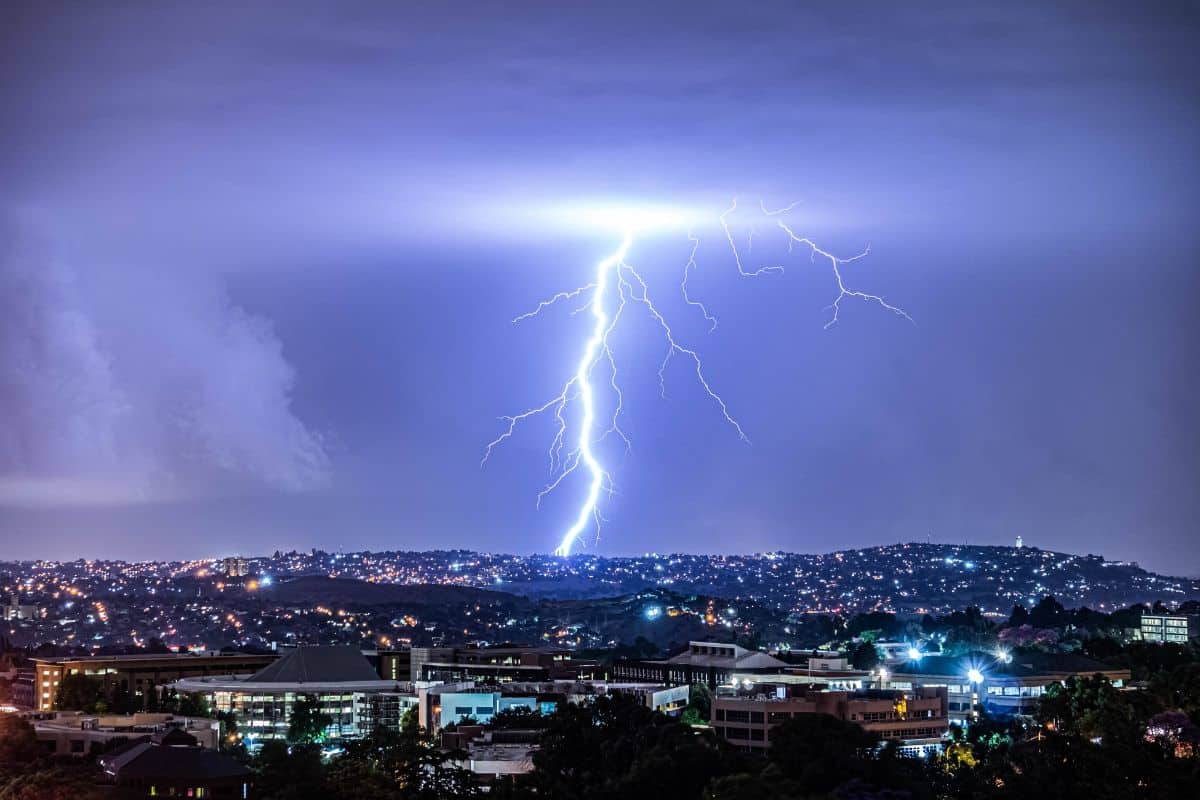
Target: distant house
point(171, 764)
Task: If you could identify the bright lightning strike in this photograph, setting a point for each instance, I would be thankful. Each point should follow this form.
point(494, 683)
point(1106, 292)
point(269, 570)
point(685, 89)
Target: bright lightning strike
point(615, 285)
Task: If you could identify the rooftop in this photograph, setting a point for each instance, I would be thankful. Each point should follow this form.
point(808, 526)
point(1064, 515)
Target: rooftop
point(1020, 665)
point(324, 664)
point(168, 761)
point(730, 656)
point(147, 657)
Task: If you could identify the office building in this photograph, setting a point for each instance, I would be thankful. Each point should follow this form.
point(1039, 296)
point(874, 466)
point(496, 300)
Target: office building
point(24, 689)
point(498, 664)
point(76, 734)
point(917, 720)
point(492, 754)
point(1177, 628)
point(443, 704)
point(15, 610)
point(236, 567)
point(340, 678)
point(138, 674)
point(825, 670)
point(392, 665)
point(712, 663)
point(1004, 685)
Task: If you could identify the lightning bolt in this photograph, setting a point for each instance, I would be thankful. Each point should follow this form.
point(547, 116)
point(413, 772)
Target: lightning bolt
point(615, 285)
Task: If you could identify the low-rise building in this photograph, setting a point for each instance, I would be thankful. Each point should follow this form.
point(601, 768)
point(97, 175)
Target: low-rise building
point(392, 665)
point(831, 671)
point(492, 754)
point(711, 663)
point(343, 682)
point(172, 764)
point(1176, 628)
point(139, 674)
point(76, 734)
point(15, 610)
point(917, 720)
point(443, 704)
point(498, 664)
point(1004, 684)
point(24, 689)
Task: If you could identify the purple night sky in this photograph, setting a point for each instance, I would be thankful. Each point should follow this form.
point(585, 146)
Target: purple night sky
point(258, 264)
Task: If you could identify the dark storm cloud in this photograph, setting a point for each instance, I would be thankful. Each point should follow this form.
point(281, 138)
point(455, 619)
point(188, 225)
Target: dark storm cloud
point(260, 228)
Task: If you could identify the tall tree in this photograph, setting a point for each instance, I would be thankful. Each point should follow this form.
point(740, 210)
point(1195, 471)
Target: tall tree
point(78, 692)
point(865, 656)
point(308, 722)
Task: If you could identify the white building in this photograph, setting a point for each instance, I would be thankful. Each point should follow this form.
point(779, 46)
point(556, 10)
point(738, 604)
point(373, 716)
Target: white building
point(341, 679)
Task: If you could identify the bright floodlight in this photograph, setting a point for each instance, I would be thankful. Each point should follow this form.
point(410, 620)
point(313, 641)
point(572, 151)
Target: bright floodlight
point(914, 654)
point(974, 675)
point(1004, 655)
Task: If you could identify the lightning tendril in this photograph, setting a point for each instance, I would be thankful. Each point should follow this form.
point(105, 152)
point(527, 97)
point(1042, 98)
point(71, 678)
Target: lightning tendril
point(617, 284)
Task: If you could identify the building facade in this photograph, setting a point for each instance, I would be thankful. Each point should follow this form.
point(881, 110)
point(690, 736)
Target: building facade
point(236, 567)
point(341, 680)
point(498, 664)
point(711, 663)
point(138, 674)
point(172, 764)
point(443, 704)
point(1176, 628)
point(15, 610)
point(1004, 685)
point(917, 720)
point(77, 734)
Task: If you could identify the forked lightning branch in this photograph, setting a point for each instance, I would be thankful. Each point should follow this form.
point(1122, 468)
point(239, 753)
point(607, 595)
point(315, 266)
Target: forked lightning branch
point(615, 286)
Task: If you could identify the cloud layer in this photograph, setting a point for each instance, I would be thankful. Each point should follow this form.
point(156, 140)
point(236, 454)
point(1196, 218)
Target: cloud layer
point(139, 385)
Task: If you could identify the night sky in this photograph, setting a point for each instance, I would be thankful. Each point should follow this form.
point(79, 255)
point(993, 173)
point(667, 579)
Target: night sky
point(258, 267)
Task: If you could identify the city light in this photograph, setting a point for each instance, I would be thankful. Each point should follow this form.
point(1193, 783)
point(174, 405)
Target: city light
point(974, 675)
point(914, 654)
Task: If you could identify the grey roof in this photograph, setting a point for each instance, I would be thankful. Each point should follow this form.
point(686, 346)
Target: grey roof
point(326, 664)
point(147, 760)
point(737, 658)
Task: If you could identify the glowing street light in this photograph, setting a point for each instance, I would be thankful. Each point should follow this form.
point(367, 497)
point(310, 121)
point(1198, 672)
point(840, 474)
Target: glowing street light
point(974, 675)
point(914, 654)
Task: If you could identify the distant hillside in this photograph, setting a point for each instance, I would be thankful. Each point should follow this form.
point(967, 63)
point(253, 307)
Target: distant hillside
point(913, 577)
point(910, 578)
point(310, 589)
